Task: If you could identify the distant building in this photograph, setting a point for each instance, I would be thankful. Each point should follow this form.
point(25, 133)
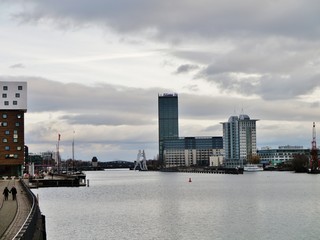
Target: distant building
point(239, 140)
point(216, 160)
point(94, 162)
point(168, 119)
point(282, 154)
point(191, 151)
point(13, 106)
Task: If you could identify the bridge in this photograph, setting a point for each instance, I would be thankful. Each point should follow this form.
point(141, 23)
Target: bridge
point(20, 218)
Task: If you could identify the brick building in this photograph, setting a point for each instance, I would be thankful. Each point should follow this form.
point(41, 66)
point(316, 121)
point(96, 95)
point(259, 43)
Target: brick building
point(13, 106)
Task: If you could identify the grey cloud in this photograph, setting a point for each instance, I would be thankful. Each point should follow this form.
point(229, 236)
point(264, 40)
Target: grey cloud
point(101, 104)
point(104, 104)
point(271, 39)
point(204, 18)
point(126, 118)
point(185, 68)
point(18, 65)
point(109, 118)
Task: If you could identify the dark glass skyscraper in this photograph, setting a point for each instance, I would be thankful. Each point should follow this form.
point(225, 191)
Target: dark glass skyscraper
point(168, 119)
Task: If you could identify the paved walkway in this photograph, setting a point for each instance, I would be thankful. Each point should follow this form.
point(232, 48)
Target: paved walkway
point(12, 213)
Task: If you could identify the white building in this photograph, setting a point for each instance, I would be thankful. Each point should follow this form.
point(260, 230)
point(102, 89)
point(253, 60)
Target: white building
point(14, 96)
point(239, 140)
point(282, 154)
point(191, 151)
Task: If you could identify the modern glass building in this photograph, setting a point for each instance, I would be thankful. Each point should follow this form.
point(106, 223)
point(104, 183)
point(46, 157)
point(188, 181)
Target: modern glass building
point(168, 119)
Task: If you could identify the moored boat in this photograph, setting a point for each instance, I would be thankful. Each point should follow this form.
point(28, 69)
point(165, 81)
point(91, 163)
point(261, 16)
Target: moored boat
point(252, 168)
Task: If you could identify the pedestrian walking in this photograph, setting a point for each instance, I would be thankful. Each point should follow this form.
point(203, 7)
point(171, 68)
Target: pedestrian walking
point(6, 193)
point(13, 192)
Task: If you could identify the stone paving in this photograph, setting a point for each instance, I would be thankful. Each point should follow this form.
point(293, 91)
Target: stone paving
point(13, 213)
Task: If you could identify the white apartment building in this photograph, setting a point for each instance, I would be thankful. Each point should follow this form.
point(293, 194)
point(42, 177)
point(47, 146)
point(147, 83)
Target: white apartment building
point(239, 140)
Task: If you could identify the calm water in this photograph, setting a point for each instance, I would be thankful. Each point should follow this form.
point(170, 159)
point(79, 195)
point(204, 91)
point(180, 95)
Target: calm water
point(123, 204)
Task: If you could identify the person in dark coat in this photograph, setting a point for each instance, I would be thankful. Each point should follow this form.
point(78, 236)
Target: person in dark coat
point(6, 193)
point(13, 192)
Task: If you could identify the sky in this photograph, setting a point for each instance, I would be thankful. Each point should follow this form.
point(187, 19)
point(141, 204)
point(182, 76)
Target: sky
point(95, 68)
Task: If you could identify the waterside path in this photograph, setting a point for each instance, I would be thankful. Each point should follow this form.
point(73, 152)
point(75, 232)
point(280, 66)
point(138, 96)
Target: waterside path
point(14, 213)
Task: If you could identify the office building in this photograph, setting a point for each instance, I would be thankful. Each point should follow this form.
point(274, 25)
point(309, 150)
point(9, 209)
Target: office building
point(282, 154)
point(192, 151)
point(239, 140)
point(13, 106)
point(168, 119)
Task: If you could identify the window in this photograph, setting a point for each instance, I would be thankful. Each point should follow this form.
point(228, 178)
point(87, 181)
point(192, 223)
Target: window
point(6, 103)
point(4, 115)
point(17, 95)
point(15, 103)
point(15, 140)
point(5, 88)
point(19, 148)
point(19, 87)
point(4, 95)
point(7, 148)
point(4, 124)
point(7, 132)
point(4, 140)
point(19, 116)
point(17, 124)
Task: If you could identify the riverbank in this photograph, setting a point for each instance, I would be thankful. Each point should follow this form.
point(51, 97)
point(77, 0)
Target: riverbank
point(21, 218)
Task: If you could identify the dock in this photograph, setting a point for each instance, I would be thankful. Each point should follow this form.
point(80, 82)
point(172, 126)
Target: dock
point(204, 170)
point(58, 180)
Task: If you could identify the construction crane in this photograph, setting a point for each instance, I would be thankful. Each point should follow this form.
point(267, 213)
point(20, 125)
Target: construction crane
point(314, 151)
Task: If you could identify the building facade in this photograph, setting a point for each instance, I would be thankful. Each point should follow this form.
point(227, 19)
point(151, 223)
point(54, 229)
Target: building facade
point(192, 151)
point(239, 140)
point(13, 106)
point(282, 154)
point(168, 119)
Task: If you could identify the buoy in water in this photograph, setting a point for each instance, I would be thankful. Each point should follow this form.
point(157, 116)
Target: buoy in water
point(190, 179)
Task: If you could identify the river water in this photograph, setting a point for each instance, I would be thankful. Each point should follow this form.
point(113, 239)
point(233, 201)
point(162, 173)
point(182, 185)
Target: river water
point(124, 204)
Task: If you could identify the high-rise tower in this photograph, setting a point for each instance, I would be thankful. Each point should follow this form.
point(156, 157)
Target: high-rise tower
point(239, 140)
point(13, 106)
point(168, 119)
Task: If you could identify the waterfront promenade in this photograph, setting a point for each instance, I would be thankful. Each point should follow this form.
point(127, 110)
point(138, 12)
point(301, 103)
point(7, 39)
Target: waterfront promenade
point(13, 213)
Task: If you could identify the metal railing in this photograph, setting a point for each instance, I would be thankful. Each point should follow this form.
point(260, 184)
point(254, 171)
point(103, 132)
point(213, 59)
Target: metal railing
point(28, 228)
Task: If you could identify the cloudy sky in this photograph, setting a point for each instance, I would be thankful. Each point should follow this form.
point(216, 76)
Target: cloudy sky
point(95, 69)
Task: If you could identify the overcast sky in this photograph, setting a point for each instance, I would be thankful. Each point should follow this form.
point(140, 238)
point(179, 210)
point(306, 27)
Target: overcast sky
point(95, 69)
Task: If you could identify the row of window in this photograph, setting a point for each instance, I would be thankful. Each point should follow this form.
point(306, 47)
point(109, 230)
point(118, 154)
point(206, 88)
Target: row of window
point(15, 133)
point(5, 140)
point(6, 103)
point(4, 115)
point(5, 88)
point(4, 95)
point(11, 156)
point(5, 124)
point(7, 148)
